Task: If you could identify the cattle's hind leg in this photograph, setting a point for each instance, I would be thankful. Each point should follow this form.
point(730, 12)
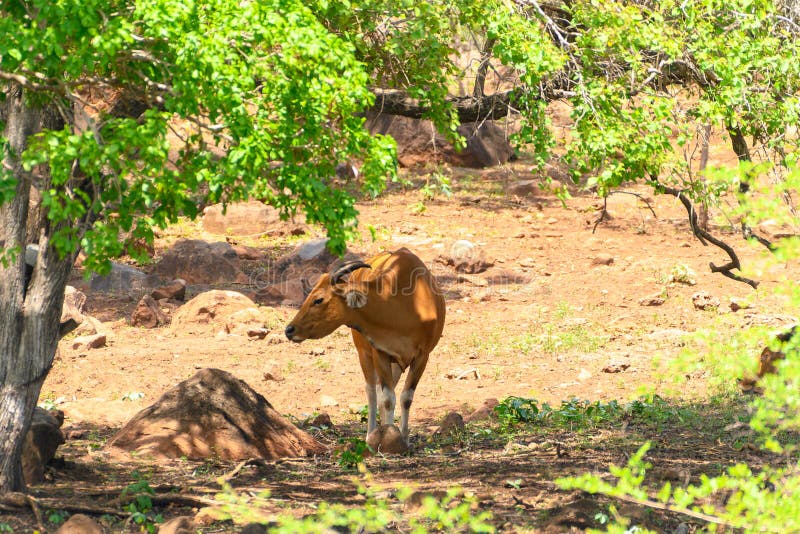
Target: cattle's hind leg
point(407, 396)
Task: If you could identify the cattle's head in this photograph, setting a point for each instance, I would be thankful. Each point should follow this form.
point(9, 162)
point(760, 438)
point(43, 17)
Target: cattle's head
point(330, 304)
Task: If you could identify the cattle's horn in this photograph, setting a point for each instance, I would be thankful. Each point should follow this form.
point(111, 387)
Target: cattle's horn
point(347, 268)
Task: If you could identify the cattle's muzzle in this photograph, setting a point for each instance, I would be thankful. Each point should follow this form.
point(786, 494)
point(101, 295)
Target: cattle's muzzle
point(290, 331)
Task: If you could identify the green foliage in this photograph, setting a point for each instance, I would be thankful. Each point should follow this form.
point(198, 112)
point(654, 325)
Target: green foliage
point(140, 506)
point(452, 513)
point(577, 414)
point(56, 517)
point(264, 82)
point(753, 499)
point(352, 452)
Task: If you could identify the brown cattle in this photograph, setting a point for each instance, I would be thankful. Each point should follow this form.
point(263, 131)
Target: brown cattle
point(396, 314)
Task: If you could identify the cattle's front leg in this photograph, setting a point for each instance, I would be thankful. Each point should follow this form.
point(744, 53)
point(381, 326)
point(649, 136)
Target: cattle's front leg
point(366, 358)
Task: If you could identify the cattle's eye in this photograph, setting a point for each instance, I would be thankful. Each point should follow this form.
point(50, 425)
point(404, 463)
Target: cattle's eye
point(317, 301)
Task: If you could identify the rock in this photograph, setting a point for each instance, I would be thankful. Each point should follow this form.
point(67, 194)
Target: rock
point(90, 326)
point(213, 414)
point(178, 525)
point(248, 253)
point(217, 310)
point(484, 412)
point(584, 375)
point(603, 259)
point(288, 293)
point(175, 290)
point(499, 276)
point(652, 300)
point(463, 374)
point(276, 339)
point(80, 524)
point(240, 218)
point(738, 304)
point(74, 303)
point(41, 442)
point(288, 280)
point(616, 366)
point(254, 528)
point(775, 230)
point(71, 311)
point(122, 279)
point(466, 257)
point(487, 145)
point(257, 333)
point(418, 142)
point(327, 401)
point(198, 262)
point(704, 301)
point(453, 423)
point(322, 420)
point(417, 499)
point(472, 280)
point(314, 249)
point(387, 439)
point(522, 188)
point(95, 341)
point(148, 314)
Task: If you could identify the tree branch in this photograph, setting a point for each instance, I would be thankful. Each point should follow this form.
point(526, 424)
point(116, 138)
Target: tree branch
point(703, 236)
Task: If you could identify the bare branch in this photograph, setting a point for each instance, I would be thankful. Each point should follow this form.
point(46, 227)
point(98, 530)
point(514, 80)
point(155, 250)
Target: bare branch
point(703, 236)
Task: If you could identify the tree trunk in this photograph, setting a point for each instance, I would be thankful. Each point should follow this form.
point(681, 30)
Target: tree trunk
point(30, 324)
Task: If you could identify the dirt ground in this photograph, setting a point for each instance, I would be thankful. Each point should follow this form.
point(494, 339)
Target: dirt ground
point(570, 325)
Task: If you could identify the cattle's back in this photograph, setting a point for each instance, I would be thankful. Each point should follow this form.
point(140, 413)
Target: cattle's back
point(405, 279)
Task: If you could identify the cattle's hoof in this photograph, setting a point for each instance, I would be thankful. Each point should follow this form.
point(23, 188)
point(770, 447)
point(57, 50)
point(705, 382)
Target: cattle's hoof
point(387, 439)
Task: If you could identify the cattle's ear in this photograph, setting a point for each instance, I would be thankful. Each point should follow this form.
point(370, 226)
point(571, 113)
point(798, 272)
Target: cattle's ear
point(307, 287)
point(355, 299)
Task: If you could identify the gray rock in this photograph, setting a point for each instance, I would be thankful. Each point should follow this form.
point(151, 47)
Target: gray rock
point(122, 279)
point(487, 144)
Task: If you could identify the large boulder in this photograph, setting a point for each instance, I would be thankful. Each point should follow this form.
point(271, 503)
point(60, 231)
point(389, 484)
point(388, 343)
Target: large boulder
point(213, 414)
point(287, 280)
point(122, 279)
point(239, 218)
point(218, 310)
point(487, 145)
point(250, 218)
point(41, 442)
point(199, 262)
point(80, 524)
point(419, 143)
